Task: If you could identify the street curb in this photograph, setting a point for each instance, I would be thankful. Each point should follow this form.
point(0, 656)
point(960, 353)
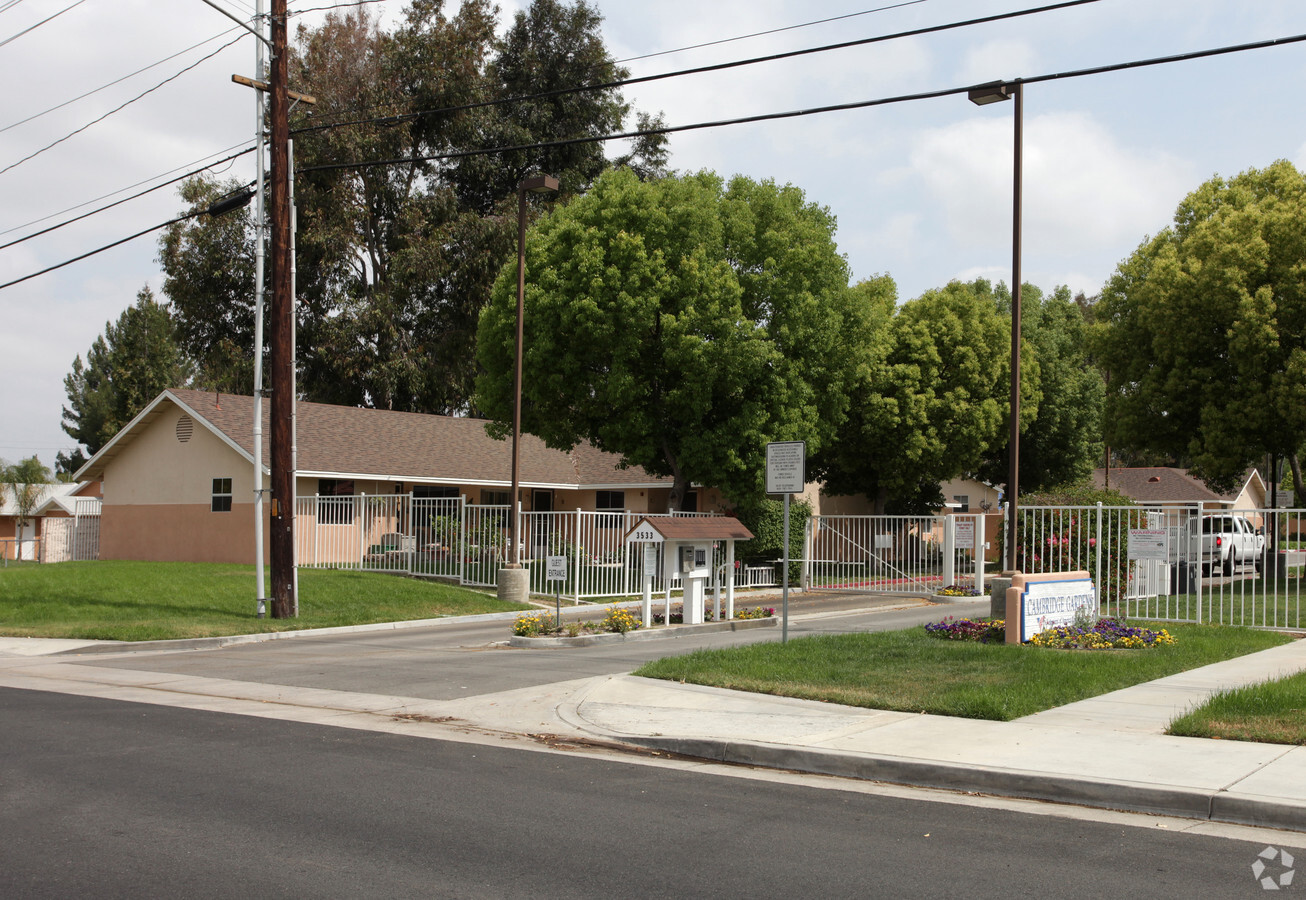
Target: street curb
point(1217, 806)
point(651, 634)
point(211, 643)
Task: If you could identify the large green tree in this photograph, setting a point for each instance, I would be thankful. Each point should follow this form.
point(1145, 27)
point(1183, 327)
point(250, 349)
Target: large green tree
point(1202, 331)
point(126, 367)
point(1062, 442)
point(208, 277)
point(932, 404)
point(682, 324)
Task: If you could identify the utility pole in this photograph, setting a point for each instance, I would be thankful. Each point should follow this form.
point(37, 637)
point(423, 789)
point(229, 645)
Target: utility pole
point(281, 361)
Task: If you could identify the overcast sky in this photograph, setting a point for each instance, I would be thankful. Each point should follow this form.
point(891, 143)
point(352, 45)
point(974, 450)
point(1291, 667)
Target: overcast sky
point(921, 190)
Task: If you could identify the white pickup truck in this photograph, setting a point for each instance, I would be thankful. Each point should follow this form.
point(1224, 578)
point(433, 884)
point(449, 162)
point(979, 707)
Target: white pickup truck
point(1229, 541)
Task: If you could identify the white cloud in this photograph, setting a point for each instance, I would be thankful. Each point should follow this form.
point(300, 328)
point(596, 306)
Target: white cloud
point(999, 60)
point(1082, 187)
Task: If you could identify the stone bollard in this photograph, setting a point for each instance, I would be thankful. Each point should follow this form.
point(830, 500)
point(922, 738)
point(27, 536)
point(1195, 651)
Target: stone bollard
point(998, 585)
point(514, 585)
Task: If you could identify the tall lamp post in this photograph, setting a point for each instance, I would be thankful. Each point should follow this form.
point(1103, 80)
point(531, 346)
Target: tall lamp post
point(536, 184)
point(982, 96)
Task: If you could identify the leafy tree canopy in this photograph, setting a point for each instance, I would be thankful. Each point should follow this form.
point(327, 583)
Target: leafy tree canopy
point(125, 369)
point(1202, 331)
point(23, 482)
point(1060, 443)
point(930, 403)
point(683, 324)
point(395, 261)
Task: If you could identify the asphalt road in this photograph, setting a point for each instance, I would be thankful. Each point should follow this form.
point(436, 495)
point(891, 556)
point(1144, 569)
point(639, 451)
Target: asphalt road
point(465, 659)
point(108, 799)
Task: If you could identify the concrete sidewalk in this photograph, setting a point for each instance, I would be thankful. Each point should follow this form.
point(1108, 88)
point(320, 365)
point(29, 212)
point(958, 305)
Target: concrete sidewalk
point(1106, 752)
point(1109, 751)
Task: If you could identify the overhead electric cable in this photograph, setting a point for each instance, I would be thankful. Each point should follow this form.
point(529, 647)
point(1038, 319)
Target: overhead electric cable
point(115, 81)
point(213, 209)
point(300, 12)
point(108, 206)
point(838, 107)
point(68, 262)
point(783, 28)
point(762, 117)
point(121, 106)
point(699, 70)
point(194, 162)
point(30, 28)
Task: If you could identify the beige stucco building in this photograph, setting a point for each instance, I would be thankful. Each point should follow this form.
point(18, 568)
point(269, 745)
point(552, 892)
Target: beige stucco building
point(178, 480)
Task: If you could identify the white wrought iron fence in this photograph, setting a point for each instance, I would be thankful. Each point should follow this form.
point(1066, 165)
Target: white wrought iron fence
point(451, 538)
point(1175, 563)
point(894, 554)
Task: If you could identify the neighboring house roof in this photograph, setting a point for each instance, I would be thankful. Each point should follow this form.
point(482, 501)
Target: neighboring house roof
point(70, 502)
point(382, 445)
point(48, 493)
point(1164, 484)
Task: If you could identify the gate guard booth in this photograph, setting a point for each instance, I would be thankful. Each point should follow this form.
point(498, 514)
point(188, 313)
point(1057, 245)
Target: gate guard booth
point(687, 551)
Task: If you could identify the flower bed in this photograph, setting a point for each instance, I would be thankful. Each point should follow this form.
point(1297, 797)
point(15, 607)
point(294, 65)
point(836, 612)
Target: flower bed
point(540, 624)
point(957, 590)
point(950, 629)
point(1106, 634)
point(678, 614)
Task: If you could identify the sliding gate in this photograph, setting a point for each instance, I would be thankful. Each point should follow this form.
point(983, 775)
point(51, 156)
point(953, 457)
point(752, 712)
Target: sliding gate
point(894, 554)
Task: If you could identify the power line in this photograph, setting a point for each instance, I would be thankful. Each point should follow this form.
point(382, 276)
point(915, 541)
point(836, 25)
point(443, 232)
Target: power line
point(762, 117)
point(29, 28)
point(700, 70)
point(839, 107)
point(125, 199)
point(300, 12)
point(68, 262)
point(745, 37)
point(122, 106)
point(137, 184)
point(115, 81)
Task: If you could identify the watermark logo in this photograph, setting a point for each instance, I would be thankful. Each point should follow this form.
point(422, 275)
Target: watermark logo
point(1273, 869)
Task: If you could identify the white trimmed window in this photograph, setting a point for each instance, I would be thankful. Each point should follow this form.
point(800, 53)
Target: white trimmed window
point(221, 495)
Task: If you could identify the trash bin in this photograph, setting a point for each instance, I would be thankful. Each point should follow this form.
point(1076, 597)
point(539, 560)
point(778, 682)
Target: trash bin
point(1183, 578)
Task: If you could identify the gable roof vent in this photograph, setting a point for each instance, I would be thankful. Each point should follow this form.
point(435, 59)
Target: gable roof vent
point(185, 428)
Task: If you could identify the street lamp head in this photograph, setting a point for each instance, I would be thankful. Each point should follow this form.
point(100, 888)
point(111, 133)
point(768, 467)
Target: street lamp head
point(995, 92)
point(538, 184)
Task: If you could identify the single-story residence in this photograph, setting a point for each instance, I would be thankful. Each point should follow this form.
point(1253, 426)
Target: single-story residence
point(178, 480)
point(54, 501)
point(1167, 486)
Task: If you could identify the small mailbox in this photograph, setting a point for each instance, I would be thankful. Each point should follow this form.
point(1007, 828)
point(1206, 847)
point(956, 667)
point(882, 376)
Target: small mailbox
point(687, 553)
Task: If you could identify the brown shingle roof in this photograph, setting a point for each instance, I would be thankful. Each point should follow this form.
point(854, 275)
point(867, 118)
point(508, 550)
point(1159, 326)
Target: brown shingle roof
point(400, 446)
point(1159, 484)
point(698, 528)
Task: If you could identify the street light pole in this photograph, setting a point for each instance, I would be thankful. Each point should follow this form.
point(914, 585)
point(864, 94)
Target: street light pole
point(536, 184)
point(982, 96)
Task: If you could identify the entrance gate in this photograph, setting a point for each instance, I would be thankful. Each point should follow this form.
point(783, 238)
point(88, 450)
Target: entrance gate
point(894, 554)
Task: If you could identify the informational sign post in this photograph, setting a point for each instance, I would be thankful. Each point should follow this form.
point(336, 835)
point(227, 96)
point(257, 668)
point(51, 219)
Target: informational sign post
point(555, 570)
point(786, 473)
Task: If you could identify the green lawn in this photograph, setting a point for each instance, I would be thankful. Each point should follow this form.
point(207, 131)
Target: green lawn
point(913, 672)
point(1273, 712)
point(141, 601)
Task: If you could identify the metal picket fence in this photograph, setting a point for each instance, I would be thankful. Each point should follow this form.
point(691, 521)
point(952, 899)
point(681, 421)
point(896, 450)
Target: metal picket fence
point(894, 554)
point(454, 539)
point(1167, 577)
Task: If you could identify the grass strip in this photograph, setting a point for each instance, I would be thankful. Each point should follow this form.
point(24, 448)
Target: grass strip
point(910, 671)
point(1272, 712)
point(122, 600)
